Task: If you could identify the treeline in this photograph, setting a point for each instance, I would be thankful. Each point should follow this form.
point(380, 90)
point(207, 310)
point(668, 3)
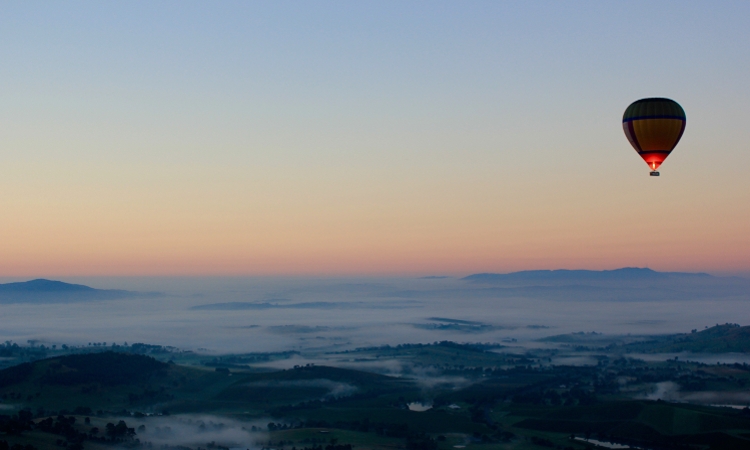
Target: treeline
point(10, 349)
point(573, 397)
point(415, 440)
point(241, 361)
point(64, 426)
point(481, 347)
point(33, 352)
point(327, 447)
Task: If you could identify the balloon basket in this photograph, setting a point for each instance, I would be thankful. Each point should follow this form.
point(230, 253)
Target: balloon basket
point(654, 174)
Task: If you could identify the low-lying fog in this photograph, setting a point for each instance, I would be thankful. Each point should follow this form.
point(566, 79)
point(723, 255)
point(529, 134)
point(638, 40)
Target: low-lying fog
point(254, 314)
point(196, 430)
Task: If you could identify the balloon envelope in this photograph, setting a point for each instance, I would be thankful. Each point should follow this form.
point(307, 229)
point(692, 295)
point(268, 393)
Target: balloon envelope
point(654, 126)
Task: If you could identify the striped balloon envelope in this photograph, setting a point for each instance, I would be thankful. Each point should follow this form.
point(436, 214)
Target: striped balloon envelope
point(654, 126)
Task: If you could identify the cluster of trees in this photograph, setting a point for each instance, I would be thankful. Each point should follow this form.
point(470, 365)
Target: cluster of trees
point(328, 400)
point(497, 436)
point(137, 348)
point(5, 446)
point(542, 442)
point(10, 349)
point(12, 396)
point(120, 430)
point(415, 440)
point(420, 442)
point(241, 361)
point(327, 447)
point(151, 395)
point(575, 396)
point(63, 426)
point(689, 375)
point(148, 349)
point(17, 423)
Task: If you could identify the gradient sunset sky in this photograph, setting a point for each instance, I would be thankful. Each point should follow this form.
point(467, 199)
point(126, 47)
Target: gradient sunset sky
point(380, 137)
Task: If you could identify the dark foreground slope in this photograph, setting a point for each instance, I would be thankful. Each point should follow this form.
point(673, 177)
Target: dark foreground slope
point(115, 381)
point(726, 338)
point(522, 406)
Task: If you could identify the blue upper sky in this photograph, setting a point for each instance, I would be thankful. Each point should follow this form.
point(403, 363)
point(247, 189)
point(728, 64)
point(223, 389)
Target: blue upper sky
point(455, 136)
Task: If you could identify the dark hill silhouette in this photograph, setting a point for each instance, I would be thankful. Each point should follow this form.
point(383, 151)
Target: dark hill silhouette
point(107, 368)
point(50, 291)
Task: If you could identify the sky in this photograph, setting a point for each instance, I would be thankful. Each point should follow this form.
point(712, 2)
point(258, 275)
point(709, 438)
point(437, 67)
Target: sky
point(367, 138)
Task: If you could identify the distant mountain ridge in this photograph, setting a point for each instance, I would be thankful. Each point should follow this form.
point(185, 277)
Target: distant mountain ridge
point(42, 285)
point(624, 274)
point(51, 291)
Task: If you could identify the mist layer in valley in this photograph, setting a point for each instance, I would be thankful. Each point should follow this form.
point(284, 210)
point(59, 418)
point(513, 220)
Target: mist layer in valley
point(231, 315)
point(225, 315)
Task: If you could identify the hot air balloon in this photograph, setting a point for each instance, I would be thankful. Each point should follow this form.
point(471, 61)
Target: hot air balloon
point(654, 126)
